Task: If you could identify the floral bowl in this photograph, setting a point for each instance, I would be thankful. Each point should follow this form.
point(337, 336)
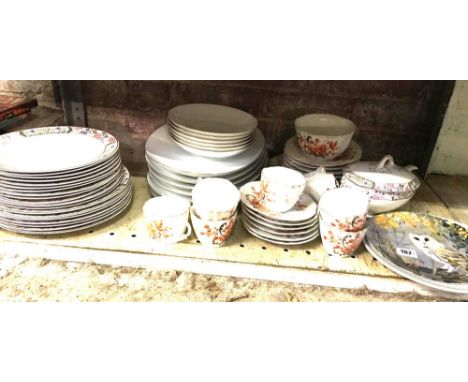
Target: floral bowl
point(324, 135)
point(212, 233)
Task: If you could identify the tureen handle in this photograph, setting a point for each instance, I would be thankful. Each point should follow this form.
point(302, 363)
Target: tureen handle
point(410, 167)
point(386, 161)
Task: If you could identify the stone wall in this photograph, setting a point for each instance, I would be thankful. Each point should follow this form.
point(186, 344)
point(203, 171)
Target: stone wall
point(393, 117)
point(41, 90)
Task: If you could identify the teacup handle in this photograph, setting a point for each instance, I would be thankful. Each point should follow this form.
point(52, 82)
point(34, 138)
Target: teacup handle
point(188, 233)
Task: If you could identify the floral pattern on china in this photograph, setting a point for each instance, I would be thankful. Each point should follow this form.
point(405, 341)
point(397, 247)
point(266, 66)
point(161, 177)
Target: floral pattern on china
point(317, 147)
point(345, 245)
point(158, 230)
point(361, 173)
point(252, 197)
point(219, 235)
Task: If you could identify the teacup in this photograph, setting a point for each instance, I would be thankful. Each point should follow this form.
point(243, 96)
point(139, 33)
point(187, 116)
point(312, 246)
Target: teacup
point(318, 182)
point(339, 242)
point(167, 218)
point(212, 233)
point(215, 198)
point(344, 209)
point(281, 188)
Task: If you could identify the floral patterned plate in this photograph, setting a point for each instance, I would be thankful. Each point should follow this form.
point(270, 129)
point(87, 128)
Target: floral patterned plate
point(426, 249)
point(54, 149)
point(292, 150)
point(252, 198)
point(276, 224)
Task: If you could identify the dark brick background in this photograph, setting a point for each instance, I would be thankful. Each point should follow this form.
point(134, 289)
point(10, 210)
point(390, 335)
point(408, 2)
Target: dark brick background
point(393, 117)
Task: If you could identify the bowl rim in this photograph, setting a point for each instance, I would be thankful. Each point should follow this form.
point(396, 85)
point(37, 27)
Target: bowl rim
point(305, 124)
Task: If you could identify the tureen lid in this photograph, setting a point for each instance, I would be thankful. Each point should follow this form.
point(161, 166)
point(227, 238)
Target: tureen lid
point(384, 175)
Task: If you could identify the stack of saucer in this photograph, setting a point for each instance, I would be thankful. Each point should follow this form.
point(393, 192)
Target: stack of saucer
point(214, 131)
point(295, 158)
point(298, 225)
point(60, 179)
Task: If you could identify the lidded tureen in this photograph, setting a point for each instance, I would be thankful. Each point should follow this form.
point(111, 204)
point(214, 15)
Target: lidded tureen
point(387, 185)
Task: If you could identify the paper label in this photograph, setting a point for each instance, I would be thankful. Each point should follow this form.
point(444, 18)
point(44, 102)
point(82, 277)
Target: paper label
point(406, 252)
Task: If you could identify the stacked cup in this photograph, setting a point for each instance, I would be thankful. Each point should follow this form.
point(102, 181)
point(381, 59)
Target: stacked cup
point(167, 219)
point(214, 210)
point(281, 188)
point(343, 213)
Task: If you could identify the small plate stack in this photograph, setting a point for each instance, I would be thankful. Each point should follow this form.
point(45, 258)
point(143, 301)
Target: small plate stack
point(214, 131)
point(297, 226)
point(295, 158)
point(174, 168)
point(60, 179)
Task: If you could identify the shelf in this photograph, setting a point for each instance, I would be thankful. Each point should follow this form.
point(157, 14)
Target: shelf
point(125, 242)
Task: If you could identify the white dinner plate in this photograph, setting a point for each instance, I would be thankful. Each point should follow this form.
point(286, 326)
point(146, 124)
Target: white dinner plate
point(213, 140)
point(161, 147)
point(213, 119)
point(54, 149)
point(208, 146)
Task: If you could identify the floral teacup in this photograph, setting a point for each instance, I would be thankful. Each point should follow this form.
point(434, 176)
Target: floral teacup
point(339, 242)
point(281, 188)
point(167, 218)
point(215, 198)
point(212, 233)
point(344, 209)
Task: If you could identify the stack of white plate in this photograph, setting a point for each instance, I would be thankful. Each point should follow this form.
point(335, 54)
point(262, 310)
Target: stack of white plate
point(214, 131)
point(296, 226)
point(60, 179)
point(295, 158)
point(174, 171)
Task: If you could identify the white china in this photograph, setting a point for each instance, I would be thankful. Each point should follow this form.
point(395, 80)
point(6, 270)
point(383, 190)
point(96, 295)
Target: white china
point(344, 208)
point(304, 209)
point(281, 188)
point(161, 148)
point(272, 228)
point(324, 135)
point(387, 185)
point(54, 149)
point(76, 182)
point(339, 242)
point(213, 119)
point(318, 182)
point(212, 232)
point(167, 218)
point(215, 198)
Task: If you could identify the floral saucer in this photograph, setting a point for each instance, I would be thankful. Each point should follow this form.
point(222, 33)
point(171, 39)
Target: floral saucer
point(252, 197)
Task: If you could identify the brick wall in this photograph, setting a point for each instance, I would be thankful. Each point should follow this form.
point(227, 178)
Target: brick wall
point(394, 117)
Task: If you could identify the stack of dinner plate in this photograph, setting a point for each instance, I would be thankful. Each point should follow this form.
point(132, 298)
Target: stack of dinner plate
point(60, 179)
point(175, 171)
point(214, 131)
point(295, 158)
point(297, 226)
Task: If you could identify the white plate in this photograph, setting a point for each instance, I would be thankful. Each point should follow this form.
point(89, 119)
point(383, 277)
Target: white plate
point(208, 153)
point(161, 148)
point(296, 165)
point(279, 223)
point(273, 224)
point(112, 194)
point(304, 209)
point(313, 229)
point(76, 227)
point(60, 186)
point(213, 119)
point(27, 195)
point(209, 147)
point(54, 149)
point(212, 140)
point(275, 240)
point(240, 175)
point(352, 154)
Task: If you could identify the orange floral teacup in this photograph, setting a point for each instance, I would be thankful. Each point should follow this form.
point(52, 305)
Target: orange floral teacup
point(167, 218)
point(212, 233)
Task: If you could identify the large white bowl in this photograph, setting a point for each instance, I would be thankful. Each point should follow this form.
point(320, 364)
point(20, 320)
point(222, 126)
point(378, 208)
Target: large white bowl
point(324, 135)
